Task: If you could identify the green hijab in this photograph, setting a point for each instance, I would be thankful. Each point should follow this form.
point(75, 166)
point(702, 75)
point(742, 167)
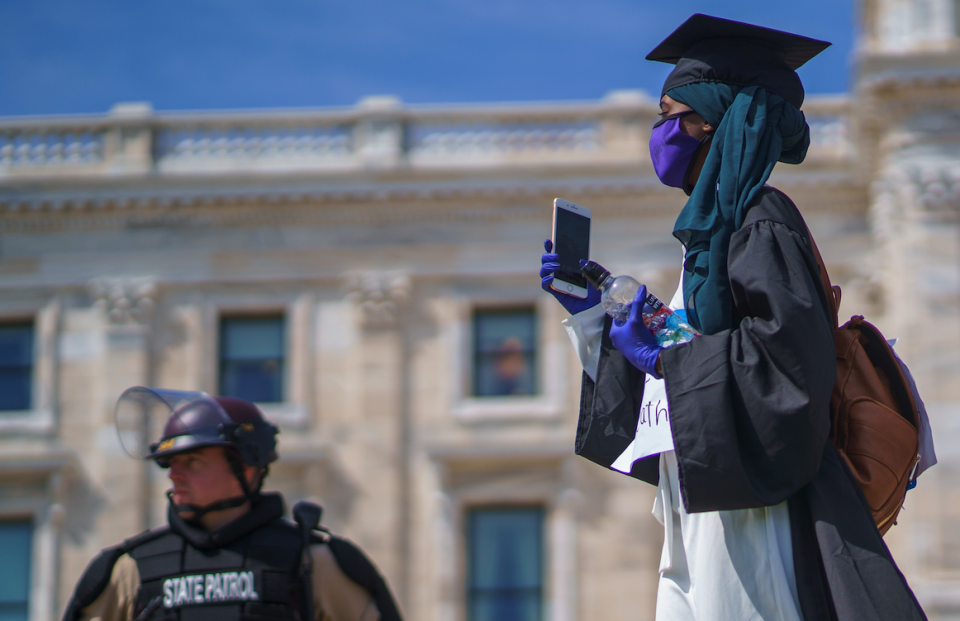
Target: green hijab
point(753, 130)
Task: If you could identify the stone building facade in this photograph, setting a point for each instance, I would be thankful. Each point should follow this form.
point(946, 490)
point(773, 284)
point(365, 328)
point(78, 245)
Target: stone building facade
point(381, 238)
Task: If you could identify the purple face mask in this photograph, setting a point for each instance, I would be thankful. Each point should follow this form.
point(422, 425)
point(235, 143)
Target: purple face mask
point(672, 150)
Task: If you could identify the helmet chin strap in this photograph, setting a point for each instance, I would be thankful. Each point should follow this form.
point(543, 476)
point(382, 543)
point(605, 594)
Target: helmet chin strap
point(200, 511)
point(227, 503)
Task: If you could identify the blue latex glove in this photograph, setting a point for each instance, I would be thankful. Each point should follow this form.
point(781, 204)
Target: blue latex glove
point(634, 340)
point(550, 263)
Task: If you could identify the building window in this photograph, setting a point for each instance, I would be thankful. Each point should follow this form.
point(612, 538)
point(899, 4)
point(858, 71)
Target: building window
point(252, 358)
point(16, 540)
point(956, 18)
point(504, 345)
point(16, 366)
point(505, 564)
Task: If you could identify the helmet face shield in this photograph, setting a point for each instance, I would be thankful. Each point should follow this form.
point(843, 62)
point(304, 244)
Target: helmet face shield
point(154, 423)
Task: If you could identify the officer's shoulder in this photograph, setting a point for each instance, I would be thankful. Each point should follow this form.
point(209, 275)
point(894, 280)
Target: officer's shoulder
point(358, 567)
point(97, 575)
point(108, 557)
point(349, 557)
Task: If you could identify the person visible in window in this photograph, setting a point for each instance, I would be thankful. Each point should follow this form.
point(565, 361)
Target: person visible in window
point(762, 518)
point(227, 553)
point(511, 368)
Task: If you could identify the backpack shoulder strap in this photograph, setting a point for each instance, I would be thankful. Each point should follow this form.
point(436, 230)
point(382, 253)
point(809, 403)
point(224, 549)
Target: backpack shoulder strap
point(96, 576)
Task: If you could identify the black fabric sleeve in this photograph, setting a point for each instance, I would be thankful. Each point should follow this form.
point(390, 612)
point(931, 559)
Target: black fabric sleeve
point(749, 407)
point(609, 410)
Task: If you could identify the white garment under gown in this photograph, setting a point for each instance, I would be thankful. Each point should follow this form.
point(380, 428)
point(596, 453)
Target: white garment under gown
point(715, 566)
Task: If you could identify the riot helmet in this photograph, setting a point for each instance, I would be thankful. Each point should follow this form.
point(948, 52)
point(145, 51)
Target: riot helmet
point(192, 420)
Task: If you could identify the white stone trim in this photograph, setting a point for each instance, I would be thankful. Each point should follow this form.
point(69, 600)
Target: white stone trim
point(551, 366)
point(286, 414)
point(26, 422)
point(554, 494)
point(297, 311)
point(46, 514)
point(41, 418)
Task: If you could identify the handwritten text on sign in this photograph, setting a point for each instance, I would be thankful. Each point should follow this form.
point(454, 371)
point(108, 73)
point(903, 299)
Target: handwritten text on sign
point(653, 427)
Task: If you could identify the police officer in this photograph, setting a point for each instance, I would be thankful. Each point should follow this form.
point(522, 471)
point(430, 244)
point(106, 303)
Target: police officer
point(226, 554)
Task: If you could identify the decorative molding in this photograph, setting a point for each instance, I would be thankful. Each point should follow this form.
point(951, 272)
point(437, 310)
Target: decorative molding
point(591, 151)
point(193, 145)
point(938, 188)
point(134, 141)
point(378, 296)
point(128, 204)
point(466, 140)
point(380, 203)
point(887, 97)
point(924, 188)
point(125, 301)
point(50, 149)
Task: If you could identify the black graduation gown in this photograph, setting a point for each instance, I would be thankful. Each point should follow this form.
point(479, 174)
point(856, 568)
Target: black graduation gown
point(749, 412)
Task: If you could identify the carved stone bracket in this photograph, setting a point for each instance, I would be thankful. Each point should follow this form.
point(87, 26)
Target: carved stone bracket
point(926, 189)
point(125, 301)
point(938, 187)
point(378, 296)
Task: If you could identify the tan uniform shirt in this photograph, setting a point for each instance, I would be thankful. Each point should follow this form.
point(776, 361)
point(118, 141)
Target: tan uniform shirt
point(335, 596)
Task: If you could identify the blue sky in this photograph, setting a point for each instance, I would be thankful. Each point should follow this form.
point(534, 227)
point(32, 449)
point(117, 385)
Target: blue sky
point(67, 56)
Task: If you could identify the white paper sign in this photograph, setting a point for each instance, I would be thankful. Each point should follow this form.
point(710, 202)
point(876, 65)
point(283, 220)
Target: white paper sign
point(653, 427)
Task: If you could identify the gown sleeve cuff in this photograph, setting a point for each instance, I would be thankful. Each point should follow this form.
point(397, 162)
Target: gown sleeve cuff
point(585, 330)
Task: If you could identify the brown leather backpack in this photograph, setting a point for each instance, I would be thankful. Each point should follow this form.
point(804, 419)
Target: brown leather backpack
point(873, 412)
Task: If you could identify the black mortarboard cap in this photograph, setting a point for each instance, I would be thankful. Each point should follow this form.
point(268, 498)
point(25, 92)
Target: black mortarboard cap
point(711, 49)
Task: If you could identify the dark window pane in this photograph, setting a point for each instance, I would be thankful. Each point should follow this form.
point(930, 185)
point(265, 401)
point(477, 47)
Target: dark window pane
point(253, 339)
point(15, 388)
point(504, 353)
point(16, 366)
point(252, 358)
point(13, 612)
point(16, 542)
point(505, 606)
point(505, 564)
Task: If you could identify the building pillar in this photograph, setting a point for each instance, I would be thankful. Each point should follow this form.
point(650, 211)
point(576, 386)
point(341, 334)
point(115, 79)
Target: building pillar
point(447, 588)
point(385, 510)
point(915, 219)
point(563, 557)
point(126, 306)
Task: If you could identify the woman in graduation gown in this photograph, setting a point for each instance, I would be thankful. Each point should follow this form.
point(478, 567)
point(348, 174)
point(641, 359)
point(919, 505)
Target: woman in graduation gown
point(762, 518)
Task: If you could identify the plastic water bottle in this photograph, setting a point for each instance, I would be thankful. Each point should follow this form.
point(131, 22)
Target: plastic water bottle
point(616, 297)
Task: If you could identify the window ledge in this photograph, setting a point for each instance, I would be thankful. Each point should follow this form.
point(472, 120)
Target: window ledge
point(506, 409)
point(26, 422)
point(286, 415)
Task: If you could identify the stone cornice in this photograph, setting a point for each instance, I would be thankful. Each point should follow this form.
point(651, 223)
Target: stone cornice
point(330, 204)
point(874, 67)
point(893, 92)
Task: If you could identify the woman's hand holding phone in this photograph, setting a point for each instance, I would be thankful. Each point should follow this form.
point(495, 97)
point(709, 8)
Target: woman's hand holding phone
point(550, 263)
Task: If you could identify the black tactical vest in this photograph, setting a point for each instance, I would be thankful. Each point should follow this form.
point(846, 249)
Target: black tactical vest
point(248, 570)
point(192, 575)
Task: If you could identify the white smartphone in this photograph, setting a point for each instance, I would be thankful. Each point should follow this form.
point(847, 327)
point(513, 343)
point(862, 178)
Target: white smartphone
point(571, 240)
